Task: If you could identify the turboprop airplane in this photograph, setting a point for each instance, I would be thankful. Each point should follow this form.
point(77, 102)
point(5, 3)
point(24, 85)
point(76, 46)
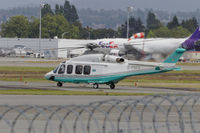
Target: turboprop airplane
point(107, 69)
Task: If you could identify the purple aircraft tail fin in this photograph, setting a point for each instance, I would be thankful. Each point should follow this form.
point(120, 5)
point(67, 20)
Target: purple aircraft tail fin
point(193, 42)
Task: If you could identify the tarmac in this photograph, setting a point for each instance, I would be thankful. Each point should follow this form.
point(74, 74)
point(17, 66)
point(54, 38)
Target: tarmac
point(61, 100)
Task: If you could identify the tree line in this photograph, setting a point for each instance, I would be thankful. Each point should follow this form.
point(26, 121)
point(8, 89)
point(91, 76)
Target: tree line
point(63, 22)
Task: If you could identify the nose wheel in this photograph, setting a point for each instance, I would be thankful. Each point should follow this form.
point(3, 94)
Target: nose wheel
point(95, 86)
point(59, 84)
point(112, 86)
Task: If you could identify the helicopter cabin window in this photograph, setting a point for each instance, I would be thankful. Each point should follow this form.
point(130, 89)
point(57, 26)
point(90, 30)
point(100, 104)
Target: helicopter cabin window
point(56, 69)
point(69, 69)
point(61, 69)
point(79, 69)
point(87, 70)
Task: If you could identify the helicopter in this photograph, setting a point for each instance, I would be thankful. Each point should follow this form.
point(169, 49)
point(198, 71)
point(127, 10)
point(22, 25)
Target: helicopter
point(108, 69)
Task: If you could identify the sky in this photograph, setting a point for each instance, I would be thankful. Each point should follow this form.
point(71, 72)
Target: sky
point(166, 5)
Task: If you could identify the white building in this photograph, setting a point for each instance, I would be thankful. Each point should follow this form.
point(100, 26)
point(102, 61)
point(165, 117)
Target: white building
point(51, 48)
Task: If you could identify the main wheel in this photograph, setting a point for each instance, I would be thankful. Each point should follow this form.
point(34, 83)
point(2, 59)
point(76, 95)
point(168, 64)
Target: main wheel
point(59, 84)
point(112, 86)
point(95, 86)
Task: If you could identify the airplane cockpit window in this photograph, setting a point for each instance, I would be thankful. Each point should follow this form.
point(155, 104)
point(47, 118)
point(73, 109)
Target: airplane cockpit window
point(79, 69)
point(87, 70)
point(69, 69)
point(56, 69)
point(61, 69)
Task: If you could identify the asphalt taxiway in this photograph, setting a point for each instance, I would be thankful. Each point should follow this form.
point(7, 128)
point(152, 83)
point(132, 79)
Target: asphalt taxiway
point(6, 85)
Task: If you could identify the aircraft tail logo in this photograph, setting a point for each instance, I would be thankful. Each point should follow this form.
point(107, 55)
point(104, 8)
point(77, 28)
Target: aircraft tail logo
point(193, 42)
point(137, 35)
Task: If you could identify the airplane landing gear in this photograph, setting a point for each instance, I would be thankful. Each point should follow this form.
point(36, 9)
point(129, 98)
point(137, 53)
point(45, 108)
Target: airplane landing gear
point(59, 84)
point(95, 86)
point(112, 86)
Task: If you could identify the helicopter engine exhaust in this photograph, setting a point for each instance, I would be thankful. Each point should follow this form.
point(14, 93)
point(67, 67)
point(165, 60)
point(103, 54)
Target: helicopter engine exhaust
point(114, 59)
point(119, 60)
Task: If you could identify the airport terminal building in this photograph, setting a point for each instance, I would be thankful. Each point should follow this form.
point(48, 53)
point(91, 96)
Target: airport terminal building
point(51, 48)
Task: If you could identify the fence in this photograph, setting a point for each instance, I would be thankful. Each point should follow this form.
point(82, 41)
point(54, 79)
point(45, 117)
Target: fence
point(148, 114)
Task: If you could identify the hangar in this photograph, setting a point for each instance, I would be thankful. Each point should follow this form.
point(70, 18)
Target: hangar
point(51, 48)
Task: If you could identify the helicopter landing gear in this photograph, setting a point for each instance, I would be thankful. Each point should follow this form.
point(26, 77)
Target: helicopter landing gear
point(112, 86)
point(59, 84)
point(95, 86)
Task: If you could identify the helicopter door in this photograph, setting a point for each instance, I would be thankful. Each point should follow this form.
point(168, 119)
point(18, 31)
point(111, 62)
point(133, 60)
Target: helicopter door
point(61, 69)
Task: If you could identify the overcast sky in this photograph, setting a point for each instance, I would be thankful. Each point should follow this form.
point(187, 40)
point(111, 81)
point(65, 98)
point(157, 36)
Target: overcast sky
point(167, 5)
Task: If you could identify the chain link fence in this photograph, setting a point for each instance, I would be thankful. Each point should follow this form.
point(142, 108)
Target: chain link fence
point(148, 114)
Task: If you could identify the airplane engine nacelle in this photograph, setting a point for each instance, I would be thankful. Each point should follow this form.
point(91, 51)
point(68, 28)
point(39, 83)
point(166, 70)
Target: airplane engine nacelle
point(116, 52)
point(114, 59)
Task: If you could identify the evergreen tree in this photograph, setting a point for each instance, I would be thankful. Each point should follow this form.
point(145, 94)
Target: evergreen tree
point(173, 24)
point(74, 15)
point(152, 21)
point(67, 11)
point(135, 26)
point(190, 24)
point(139, 26)
point(46, 9)
point(58, 10)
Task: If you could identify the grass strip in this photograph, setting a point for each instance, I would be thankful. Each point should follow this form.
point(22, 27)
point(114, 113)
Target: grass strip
point(20, 68)
point(187, 64)
point(195, 86)
point(65, 92)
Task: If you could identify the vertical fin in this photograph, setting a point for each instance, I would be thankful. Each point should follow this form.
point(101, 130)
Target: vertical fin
point(174, 57)
point(192, 43)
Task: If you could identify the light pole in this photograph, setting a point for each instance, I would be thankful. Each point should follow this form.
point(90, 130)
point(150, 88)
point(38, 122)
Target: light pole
point(40, 27)
point(64, 34)
point(89, 35)
point(129, 10)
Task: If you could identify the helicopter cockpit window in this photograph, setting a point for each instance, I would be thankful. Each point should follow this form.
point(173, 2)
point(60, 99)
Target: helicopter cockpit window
point(87, 70)
point(69, 69)
point(79, 69)
point(61, 69)
point(56, 69)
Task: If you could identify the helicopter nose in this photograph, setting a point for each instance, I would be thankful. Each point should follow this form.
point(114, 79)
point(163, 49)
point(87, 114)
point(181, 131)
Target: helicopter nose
point(48, 75)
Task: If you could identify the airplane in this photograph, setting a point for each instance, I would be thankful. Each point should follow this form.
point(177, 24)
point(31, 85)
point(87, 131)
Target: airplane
point(162, 47)
point(136, 48)
point(108, 69)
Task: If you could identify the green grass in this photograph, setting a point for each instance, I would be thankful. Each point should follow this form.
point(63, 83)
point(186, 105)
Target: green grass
point(159, 81)
point(25, 79)
point(187, 64)
point(25, 69)
point(60, 92)
point(186, 72)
